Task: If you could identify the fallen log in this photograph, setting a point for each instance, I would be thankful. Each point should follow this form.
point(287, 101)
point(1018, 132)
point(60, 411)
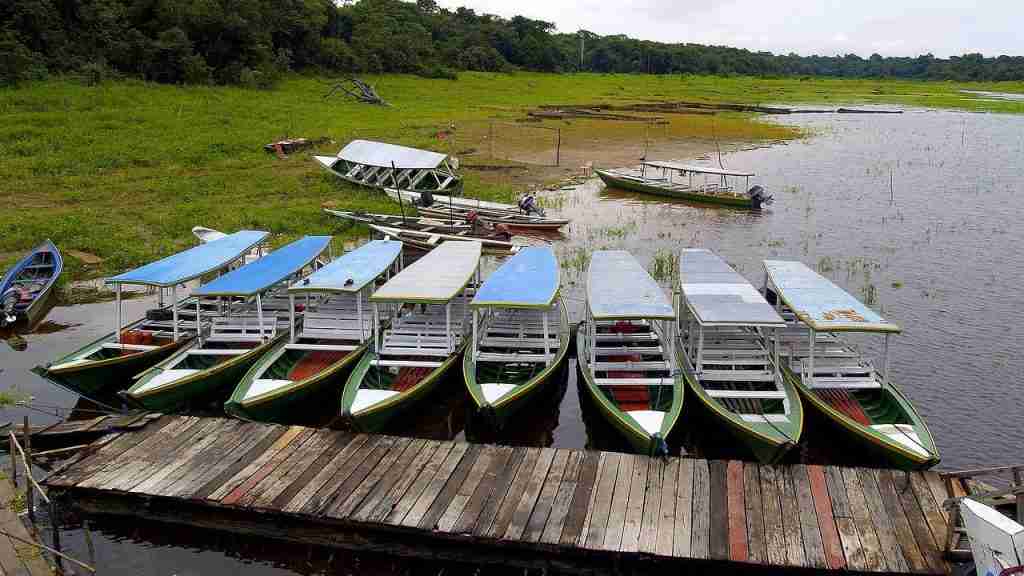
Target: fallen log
point(359, 90)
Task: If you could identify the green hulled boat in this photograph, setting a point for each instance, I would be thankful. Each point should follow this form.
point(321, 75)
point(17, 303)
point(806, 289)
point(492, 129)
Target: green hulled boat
point(625, 352)
point(676, 180)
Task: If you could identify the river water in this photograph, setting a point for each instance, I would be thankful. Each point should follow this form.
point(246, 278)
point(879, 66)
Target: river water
point(917, 214)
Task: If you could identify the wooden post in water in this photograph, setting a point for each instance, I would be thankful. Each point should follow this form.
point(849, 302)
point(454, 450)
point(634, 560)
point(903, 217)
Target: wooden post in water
point(558, 147)
point(88, 542)
point(14, 462)
point(29, 496)
point(55, 526)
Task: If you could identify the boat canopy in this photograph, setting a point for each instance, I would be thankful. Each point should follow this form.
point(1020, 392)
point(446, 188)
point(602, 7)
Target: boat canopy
point(530, 279)
point(384, 155)
point(435, 278)
point(717, 295)
point(194, 262)
point(273, 268)
point(619, 288)
point(819, 303)
point(696, 169)
point(352, 271)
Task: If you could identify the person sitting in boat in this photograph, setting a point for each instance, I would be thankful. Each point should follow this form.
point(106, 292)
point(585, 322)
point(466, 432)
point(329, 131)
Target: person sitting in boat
point(528, 204)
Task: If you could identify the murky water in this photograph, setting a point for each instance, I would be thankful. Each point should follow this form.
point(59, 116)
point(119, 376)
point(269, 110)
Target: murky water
point(918, 214)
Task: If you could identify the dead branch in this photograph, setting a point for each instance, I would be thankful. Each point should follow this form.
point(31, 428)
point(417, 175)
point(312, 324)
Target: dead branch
point(357, 89)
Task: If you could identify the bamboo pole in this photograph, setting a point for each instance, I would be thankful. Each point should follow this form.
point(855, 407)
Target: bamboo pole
point(30, 499)
point(50, 550)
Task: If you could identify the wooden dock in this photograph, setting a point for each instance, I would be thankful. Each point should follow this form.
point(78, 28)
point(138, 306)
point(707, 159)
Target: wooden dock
point(570, 510)
point(17, 556)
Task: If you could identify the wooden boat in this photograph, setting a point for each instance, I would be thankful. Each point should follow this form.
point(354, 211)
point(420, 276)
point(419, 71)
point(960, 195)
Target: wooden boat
point(299, 375)
point(836, 380)
point(26, 290)
point(625, 351)
point(520, 334)
point(661, 181)
point(420, 324)
point(376, 165)
point(427, 240)
point(102, 367)
point(205, 234)
point(206, 368)
point(447, 208)
point(406, 222)
point(728, 359)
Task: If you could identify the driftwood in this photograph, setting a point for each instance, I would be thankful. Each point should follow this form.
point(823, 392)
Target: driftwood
point(356, 88)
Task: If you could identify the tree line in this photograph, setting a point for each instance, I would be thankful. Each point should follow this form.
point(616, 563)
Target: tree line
point(253, 42)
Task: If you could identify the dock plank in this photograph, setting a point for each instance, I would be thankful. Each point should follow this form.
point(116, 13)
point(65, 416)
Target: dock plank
point(457, 503)
point(842, 513)
point(157, 482)
point(322, 485)
point(737, 511)
point(141, 455)
point(491, 503)
point(667, 508)
point(938, 490)
point(531, 494)
point(871, 546)
point(620, 500)
point(404, 481)
point(574, 519)
point(434, 485)
point(98, 455)
point(718, 510)
point(563, 499)
point(814, 549)
point(346, 505)
point(682, 537)
point(218, 459)
point(602, 500)
point(333, 504)
point(756, 551)
point(507, 508)
point(775, 541)
point(485, 489)
point(701, 521)
point(402, 506)
point(239, 493)
point(884, 529)
point(791, 521)
point(904, 532)
point(630, 541)
point(241, 459)
point(294, 464)
point(652, 507)
point(904, 491)
point(931, 509)
point(384, 478)
point(337, 444)
point(255, 464)
point(451, 488)
point(833, 548)
point(546, 500)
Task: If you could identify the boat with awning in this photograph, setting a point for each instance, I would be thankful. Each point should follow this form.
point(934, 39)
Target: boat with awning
point(728, 354)
point(296, 379)
point(420, 327)
point(495, 243)
point(842, 384)
point(625, 351)
point(520, 333)
point(705, 184)
point(378, 164)
point(101, 368)
point(241, 331)
point(464, 208)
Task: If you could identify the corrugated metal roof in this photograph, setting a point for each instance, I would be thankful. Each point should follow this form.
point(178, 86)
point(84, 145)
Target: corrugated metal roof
point(194, 262)
point(381, 154)
point(618, 287)
point(527, 280)
point(359, 267)
point(717, 295)
point(261, 274)
point(435, 278)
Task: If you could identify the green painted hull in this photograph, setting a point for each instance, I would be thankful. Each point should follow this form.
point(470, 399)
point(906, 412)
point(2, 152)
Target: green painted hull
point(615, 181)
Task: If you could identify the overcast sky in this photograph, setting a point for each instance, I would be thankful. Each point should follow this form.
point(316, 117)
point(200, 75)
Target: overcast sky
point(825, 27)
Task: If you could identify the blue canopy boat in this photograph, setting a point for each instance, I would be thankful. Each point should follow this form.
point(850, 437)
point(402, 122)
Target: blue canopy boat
point(26, 290)
point(241, 331)
point(625, 351)
point(298, 377)
point(99, 369)
point(857, 398)
point(520, 333)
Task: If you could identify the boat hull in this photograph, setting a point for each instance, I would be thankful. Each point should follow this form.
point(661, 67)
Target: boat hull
point(615, 181)
point(32, 313)
point(326, 162)
point(517, 223)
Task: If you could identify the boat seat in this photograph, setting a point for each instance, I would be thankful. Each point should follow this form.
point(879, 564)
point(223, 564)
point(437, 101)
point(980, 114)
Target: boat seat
point(336, 334)
point(324, 347)
point(747, 351)
point(512, 357)
point(747, 394)
point(166, 377)
point(630, 366)
point(367, 397)
point(264, 385)
point(725, 361)
point(616, 337)
point(218, 352)
point(620, 350)
point(407, 363)
point(133, 347)
point(649, 420)
point(903, 434)
point(844, 383)
point(666, 381)
point(441, 352)
point(520, 342)
point(737, 376)
point(493, 392)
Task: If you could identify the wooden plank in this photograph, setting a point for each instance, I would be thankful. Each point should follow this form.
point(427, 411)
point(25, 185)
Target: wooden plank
point(915, 516)
point(255, 464)
point(451, 488)
point(238, 495)
point(403, 505)
point(563, 499)
point(774, 528)
point(294, 466)
point(337, 443)
point(932, 510)
point(871, 546)
point(577, 515)
point(387, 481)
point(182, 456)
point(792, 529)
point(219, 458)
point(635, 507)
point(833, 548)
point(344, 507)
point(102, 452)
point(323, 484)
point(129, 461)
point(814, 548)
point(842, 513)
point(652, 506)
point(516, 488)
point(620, 500)
point(233, 465)
point(435, 485)
point(410, 472)
point(718, 540)
point(756, 550)
point(528, 500)
point(602, 500)
point(904, 533)
point(682, 539)
point(736, 497)
point(337, 504)
point(667, 508)
point(487, 490)
point(889, 546)
point(458, 502)
point(546, 500)
point(701, 522)
point(492, 505)
point(938, 489)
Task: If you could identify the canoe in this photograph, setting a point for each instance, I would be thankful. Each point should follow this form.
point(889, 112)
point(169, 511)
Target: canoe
point(721, 192)
point(299, 377)
point(624, 350)
point(729, 364)
point(208, 367)
point(520, 334)
point(447, 207)
point(413, 350)
point(102, 367)
point(418, 223)
point(859, 400)
point(378, 164)
point(205, 234)
point(26, 290)
point(427, 241)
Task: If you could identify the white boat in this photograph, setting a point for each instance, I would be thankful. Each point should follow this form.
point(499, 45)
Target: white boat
point(377, 164)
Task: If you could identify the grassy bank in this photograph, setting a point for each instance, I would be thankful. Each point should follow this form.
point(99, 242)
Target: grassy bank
point(124, 170)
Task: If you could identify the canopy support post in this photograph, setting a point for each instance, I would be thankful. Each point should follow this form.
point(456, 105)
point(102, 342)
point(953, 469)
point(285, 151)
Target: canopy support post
point(291, 317)
point(700, 349)
point(476, 343)
point(259, 313)
point(160, 297)
point(810, 360)
point(199, 326)
point(174, 308)
point(547, 354)
point(775, 353)
point(593, 340)
point(376, 333)
point(117, 297)
point(448, 325)
point(359, 314)
point(885, 357)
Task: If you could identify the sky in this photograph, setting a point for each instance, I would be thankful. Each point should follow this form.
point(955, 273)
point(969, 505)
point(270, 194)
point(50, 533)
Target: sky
point(824, 27)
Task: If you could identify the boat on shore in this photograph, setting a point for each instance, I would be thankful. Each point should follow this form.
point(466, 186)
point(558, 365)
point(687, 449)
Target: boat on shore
point(420, 329)
point(625, 351)
point(207, 367)
point(520, 334)
point(378, 164)
point(496, 244)
point(27, 289)
point(102, 367)
point(299, 376)
point(676, 180)
point(466, 209)
point(834, 378)
point(418, 223)
point(729, 358)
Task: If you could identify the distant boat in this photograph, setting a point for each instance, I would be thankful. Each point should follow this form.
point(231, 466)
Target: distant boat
point(730, 366)
point(205, 234)
point(493, 243)
point(408, 222)
point(676, 180)
point(625, 351)
point(377, 164)
point(520, 334)
point(27, 289)
point(447, 207)
point(837, 381)
point(300, 375)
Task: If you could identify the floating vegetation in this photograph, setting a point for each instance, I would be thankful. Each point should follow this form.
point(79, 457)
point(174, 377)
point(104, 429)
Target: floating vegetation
point(869, 294)
point(664, 265)
point(897, 284)
point(825, 265)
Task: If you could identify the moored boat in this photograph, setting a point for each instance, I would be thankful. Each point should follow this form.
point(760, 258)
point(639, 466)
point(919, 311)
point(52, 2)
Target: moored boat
point(27, 289)
point(493, 243)
point(419, 223)
point(206, 368)
point(715, 188)
point(520, 334)
point(466, 209)
point(625, 351)
point(299, 376)
point(378, 164)
point(421, 328)
point(834, 378)
point(729, 359)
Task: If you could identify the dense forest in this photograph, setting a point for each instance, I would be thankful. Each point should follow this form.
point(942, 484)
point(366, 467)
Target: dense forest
point(252, 42)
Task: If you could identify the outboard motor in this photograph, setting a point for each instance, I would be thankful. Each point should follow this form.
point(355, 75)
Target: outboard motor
point(758, 198)
point(426, 199)
point(8, 300)
point(528, 205)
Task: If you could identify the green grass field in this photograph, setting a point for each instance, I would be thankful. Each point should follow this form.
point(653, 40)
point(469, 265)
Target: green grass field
point(125, 169)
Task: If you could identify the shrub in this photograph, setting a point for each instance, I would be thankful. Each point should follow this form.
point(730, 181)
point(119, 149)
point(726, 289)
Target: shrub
point(17, 62)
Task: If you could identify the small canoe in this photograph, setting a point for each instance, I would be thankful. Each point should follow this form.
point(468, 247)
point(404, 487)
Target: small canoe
point(427, 241)
point(102, 367)
point(729, 363)
point(520, 334)
point(421, 328)
point(299, 376)
point(625, 351)
point(419, 223)
point(837, 381)
point(676, 180)
point(26, 290)
point(446, 208)
point(378, 164)
point(208, 367)
point(205, 234)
